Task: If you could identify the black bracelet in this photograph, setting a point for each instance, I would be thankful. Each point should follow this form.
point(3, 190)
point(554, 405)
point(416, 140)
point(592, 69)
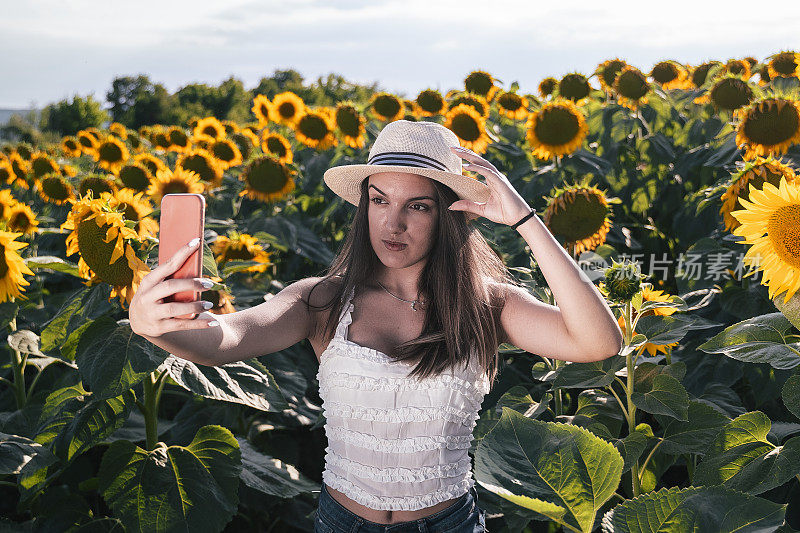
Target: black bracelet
point(526, 217)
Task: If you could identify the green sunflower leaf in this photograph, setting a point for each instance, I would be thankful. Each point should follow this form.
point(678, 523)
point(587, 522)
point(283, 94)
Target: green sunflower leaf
point(175, 488)
point(562, 472)
point(695, 509)
point(742, 458)
point(761, 339)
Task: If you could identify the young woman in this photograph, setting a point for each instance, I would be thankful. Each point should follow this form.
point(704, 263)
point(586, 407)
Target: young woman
point(406, 324)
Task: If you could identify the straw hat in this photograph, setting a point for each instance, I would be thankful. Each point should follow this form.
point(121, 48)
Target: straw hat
point(417, 147)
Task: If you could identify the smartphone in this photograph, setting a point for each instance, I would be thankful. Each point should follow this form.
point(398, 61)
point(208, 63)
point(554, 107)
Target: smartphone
point(182, 219)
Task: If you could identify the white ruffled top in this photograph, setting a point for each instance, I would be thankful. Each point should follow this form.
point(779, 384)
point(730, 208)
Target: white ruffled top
point(395, 443)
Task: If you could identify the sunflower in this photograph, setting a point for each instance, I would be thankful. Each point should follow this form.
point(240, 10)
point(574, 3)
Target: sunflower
point(315, 129)
point(111, 154)
point(730, 92)
point(267, 179)
point(768, 126)
point(12, 267)
point(69, 171)
point(55, 189)
point(119, 130)
point(274, 143)
point(6, 172)
point(671, 75)
point(701, 72)
point(210, 126)
point(135, 142)
point(180, 180)
point(204, 164)
point(7, 201)
point(150, 161)
point(41, 164)
point(137, 208)
point(25, 151)
point(22, 218)
point(240, 247)
point(574, 86)
point(431, 102)
point(202, 141)
point(785, 64)
point(159, 139)
point(261, 107)
point(245, 142)
point(631, 87)
point(412, 113)
point(350, 123)
point(136, 176)
point(469, 126)
point(739, 68)
point(97, 183)
point(557, 128)
point(755, 173)
point(649, 295)
point(607, 72)
point(20, 168)
point(477, 102)
point(178, 140)
point(579, 215)
point(226, 153)
point(481, 83)
point(230, 126)
point(70, 147)
point(512, 105)
point(286, 108)
point(763, 74)
point(107, 247)
point(771, 223)
point(88, 141)
point(547, 86)
point(386, 107)
point(222, 300)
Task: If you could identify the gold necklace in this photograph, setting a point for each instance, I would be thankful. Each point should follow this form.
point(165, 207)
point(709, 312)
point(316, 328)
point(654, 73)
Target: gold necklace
point(412, 302)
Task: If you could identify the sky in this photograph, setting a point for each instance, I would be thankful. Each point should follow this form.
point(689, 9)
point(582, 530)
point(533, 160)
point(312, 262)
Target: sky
point(52, 50)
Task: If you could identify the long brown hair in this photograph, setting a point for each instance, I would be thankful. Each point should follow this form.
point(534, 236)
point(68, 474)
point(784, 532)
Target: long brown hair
point(463, 311)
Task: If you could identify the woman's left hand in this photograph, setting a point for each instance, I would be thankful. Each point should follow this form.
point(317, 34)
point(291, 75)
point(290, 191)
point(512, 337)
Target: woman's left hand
point(505, 205)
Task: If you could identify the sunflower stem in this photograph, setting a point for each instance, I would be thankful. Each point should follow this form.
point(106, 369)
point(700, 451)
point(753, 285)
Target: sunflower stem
point(647, 460)
point(150, 410)
point(629, 391)
point(621, 404)
point(18, 365)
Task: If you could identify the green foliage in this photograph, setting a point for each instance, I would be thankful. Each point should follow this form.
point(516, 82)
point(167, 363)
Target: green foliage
point(174, 488)
point(68, 116)
point(688, 509)
point(549, 468)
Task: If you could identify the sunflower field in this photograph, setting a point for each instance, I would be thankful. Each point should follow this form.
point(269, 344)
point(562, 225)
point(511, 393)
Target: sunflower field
point(676, 189)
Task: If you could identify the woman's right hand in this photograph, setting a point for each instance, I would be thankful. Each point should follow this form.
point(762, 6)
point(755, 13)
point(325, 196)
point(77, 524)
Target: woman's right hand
point(150, 316)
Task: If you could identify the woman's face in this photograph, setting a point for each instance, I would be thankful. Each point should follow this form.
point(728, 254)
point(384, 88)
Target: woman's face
point(402, 208)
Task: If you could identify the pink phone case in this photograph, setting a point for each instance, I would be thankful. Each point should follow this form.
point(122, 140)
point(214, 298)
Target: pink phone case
point(182, 219)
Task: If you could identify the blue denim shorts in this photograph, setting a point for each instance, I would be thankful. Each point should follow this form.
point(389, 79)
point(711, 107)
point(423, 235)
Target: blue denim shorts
point(462, 516)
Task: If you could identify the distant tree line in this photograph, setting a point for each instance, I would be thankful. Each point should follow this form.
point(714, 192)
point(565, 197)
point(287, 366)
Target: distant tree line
point(137, 101)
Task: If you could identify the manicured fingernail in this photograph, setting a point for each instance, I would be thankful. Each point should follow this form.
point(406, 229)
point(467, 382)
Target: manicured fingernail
point(207, 283)
point(194, 242)
point(207, 305)
point(213, 323)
